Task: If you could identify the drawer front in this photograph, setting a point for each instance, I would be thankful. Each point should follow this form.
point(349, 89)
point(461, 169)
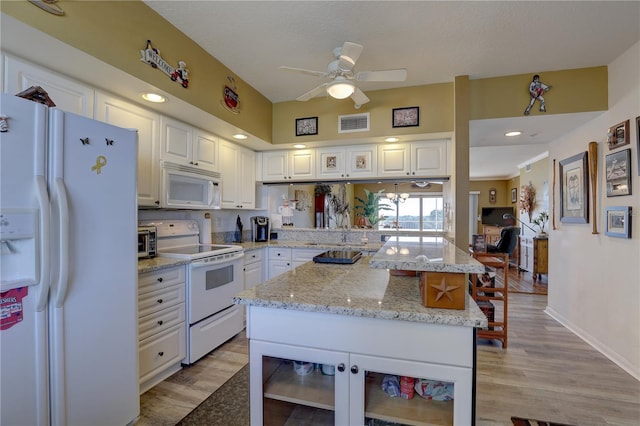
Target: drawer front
point(156, 280)
point(159, 352)
point(279, 253)
point(210, 333)
point(253, 256)
point(161, 299)
point(161, 321)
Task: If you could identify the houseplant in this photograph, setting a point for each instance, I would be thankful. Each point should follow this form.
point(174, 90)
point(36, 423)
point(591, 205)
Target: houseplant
point(541, 222)
point(369, 208)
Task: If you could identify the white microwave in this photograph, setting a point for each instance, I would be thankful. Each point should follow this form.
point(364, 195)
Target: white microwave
point(186, 187)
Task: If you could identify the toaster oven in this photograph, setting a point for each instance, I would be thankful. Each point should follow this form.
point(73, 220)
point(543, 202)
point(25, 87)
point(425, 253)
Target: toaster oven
point(147, 242)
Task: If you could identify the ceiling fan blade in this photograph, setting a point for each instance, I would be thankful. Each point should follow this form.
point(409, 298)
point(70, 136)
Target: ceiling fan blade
point(304, 71)
point(312, 93)
point(359, 98)
point(349, 55)
point(387, 75)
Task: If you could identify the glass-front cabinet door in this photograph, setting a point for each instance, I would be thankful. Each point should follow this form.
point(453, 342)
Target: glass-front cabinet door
point(385, 391)
point(298, 385)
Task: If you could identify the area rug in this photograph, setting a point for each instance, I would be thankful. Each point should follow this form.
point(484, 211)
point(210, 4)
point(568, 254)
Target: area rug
point(519, 421)
point(228, 405)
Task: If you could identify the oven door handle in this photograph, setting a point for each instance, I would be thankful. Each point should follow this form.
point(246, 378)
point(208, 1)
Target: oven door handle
point(203, 263)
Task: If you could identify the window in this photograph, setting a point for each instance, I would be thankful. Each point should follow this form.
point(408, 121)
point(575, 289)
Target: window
point(419, 212)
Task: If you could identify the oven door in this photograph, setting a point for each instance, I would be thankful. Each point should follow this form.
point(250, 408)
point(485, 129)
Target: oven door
point(212, 285)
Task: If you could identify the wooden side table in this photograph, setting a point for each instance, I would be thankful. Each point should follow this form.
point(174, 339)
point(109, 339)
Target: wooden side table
point(540, 257)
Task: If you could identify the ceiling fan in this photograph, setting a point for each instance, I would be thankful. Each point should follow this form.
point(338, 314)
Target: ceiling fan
point(342, 75)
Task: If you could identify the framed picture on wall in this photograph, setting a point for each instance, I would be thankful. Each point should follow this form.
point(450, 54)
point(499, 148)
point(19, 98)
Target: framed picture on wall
point(618, 173)
point(618, 221)
point(406, 117)
point(638, 141)
point(574, 191)
point(514, 195)
point(306, 126)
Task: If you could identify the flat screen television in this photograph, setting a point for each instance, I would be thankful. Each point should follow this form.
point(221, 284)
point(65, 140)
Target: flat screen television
point(494, 216)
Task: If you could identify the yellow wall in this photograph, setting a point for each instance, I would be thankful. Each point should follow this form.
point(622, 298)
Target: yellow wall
point(577, 90)
point(436, 114)
point(115, 32)
point(503, 195)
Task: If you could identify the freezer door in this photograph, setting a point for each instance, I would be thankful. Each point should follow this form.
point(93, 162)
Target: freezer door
point(93, 306)
point(24, 275)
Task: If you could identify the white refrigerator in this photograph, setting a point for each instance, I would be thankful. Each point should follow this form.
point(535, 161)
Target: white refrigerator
point(68, 273)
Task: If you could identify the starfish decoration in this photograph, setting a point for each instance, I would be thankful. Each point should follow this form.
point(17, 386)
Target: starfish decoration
point(444, 290)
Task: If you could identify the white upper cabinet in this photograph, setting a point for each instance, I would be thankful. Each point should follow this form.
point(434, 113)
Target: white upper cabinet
point(362, 161)
point(67, 94)
point(186, 145)
point(419, 159)
point(280, 166)
point(359, 161)
point(238, 172)
point(123, 114)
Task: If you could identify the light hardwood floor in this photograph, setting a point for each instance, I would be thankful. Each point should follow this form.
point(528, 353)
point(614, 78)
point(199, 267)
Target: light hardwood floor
point(546, 373)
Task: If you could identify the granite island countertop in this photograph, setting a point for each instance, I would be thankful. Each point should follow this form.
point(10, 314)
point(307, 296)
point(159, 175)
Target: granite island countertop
point(430, 254)
point(355, 290)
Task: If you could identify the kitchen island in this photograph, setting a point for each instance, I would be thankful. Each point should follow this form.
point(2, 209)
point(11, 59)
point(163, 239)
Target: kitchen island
point(363, 323)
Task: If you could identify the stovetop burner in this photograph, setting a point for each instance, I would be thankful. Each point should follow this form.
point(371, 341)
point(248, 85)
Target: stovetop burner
point(198, 251)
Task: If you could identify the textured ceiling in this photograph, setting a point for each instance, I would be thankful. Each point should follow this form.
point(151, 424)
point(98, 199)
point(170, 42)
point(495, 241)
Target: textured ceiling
point(434, 40)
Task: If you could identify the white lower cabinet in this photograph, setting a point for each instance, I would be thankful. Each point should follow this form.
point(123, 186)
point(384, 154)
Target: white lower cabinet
point(361, 353)
point(161, 324)
point(253, 267)
point(282, 260)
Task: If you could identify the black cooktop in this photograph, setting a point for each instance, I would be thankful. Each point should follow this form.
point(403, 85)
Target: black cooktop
point(338, 256)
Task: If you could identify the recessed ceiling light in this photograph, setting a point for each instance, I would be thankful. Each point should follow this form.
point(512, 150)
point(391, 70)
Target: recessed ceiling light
point(240, 136)
point(513, 133)
point(299, 146)
point(154, 97)
point(392, 139)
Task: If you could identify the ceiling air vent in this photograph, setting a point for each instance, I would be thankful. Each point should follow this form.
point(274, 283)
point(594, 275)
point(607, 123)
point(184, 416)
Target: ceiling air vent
point(353, 123)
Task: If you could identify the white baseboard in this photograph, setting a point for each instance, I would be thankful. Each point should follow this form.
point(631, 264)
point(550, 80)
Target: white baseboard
point(594, 343)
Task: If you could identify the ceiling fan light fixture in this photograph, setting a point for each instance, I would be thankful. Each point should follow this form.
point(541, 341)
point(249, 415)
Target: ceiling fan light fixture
point(340, 89)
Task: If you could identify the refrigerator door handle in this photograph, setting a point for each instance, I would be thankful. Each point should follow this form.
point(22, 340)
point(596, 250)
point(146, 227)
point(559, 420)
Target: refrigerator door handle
point(43, 203)
point(63, 249)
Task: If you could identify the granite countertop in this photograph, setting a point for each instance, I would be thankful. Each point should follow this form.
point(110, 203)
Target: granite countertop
point(355, 290)
point(157, 263)
point(431, 254)
point(247, 246)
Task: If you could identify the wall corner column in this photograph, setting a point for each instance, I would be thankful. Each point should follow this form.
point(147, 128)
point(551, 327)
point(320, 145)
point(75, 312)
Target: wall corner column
point(460, 184)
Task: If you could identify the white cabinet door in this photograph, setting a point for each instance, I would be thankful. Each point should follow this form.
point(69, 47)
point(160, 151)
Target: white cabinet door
point(361, 161)
point(176, 141)
point(68, 95)
point(237, 169)
point(275, 166)
point(246, 178)
point(429, 159)
point(205, 150)
point(394, 160)
point(365, 378)
point(123, 114)
point(302, 164)
point(252, 275)
point(331, 163)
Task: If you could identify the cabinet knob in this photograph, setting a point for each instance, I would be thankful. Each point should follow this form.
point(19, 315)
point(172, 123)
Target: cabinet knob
point(190, 162)
point(160, 279)
point(341, 367)
point(161, 353)
point(354, 369)
point(157, 202)
point(160, 322)
point(195, 164)
point(159, 300)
